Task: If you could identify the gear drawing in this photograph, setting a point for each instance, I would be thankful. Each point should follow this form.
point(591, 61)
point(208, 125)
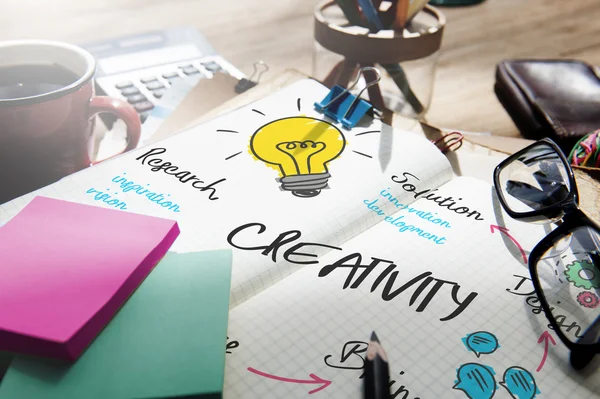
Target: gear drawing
point(588, 299)
point(583, 274)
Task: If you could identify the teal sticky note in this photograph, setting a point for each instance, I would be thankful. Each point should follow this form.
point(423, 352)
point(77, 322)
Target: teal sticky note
point(167, 341)
point(5, 359)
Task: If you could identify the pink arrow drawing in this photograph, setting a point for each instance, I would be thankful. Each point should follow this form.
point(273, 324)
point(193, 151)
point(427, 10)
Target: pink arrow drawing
point(546, 338)
point(315, 380)
point(505, 231)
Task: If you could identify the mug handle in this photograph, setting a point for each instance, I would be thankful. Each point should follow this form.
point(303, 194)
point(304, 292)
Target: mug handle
point(125, 112)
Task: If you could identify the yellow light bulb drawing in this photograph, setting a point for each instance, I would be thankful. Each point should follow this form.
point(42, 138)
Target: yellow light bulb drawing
point(299, 148)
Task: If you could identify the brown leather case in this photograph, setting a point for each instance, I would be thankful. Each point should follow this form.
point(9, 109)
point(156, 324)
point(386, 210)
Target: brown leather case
point(559, 99)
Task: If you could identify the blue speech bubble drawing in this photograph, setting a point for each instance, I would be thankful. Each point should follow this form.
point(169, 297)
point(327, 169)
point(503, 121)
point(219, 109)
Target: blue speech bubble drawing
point(476, 381)
point(481, 342)
point(520, 383)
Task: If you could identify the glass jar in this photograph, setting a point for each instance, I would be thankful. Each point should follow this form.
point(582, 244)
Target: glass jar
point(406, 60)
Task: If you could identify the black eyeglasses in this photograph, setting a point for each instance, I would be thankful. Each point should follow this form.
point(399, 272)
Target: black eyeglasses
point(537, 184)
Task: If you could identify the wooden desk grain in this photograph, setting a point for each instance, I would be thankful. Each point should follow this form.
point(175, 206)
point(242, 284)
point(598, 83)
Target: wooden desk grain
point(280, 32)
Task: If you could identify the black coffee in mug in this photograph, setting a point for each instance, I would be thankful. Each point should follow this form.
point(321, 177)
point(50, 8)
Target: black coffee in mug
point(18, 81)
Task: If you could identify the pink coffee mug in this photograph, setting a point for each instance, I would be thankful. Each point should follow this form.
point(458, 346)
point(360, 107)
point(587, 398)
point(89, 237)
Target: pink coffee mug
point(47, 109)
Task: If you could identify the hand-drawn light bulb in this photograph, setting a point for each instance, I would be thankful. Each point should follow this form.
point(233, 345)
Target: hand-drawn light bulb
point(299, 148)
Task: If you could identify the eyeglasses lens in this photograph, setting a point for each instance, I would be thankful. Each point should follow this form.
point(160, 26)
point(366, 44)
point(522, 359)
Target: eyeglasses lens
point(534, 181)
point(569, 274)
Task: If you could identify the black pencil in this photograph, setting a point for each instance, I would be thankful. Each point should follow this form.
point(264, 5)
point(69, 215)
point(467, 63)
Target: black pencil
point(377, 373)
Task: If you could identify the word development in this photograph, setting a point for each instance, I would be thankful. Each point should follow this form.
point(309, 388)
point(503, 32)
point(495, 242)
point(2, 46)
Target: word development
point(403, 226)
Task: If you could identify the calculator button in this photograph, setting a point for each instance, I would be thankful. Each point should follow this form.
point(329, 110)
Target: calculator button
point(170, 75)
point(148, 79)
point(143, 106)
point(155, 85)
point(122, 85)
point(144, 116)
point(136, 98)
point(190, 70)
point(212, 66)
point(159, 93)
point(130, 91)
point(186, 66)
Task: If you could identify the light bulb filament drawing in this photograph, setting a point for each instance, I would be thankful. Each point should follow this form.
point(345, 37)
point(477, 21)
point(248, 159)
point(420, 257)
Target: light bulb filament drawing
point(300, 149)
point(301, 153)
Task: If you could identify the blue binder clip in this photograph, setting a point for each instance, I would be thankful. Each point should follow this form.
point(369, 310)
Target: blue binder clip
point(346, 108)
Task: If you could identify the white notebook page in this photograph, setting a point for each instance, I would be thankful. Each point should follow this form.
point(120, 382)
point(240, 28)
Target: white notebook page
point(309, 324)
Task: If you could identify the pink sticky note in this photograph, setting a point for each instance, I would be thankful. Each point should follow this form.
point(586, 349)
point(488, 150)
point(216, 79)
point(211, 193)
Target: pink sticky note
point(67, 268)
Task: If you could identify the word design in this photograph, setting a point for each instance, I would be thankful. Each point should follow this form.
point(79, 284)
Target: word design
point(534, 302)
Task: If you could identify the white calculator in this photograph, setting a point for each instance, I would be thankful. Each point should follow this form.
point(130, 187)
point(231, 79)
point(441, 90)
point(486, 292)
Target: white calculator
point(140, 68)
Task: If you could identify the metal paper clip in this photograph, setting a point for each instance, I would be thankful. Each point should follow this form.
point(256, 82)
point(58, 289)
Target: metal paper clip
point(450, 142)
point(344, 107)
point(245, 84)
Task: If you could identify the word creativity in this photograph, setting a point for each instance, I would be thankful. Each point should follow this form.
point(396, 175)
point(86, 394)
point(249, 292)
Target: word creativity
point(354, 263)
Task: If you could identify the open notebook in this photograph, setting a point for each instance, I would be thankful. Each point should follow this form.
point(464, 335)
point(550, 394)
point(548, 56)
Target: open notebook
point(337, 233)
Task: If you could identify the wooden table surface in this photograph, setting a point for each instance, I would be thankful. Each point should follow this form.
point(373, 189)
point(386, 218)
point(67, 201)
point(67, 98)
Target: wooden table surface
point(280, 32)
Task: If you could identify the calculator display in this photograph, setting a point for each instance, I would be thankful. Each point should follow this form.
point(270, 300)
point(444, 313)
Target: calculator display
point(144, 59)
